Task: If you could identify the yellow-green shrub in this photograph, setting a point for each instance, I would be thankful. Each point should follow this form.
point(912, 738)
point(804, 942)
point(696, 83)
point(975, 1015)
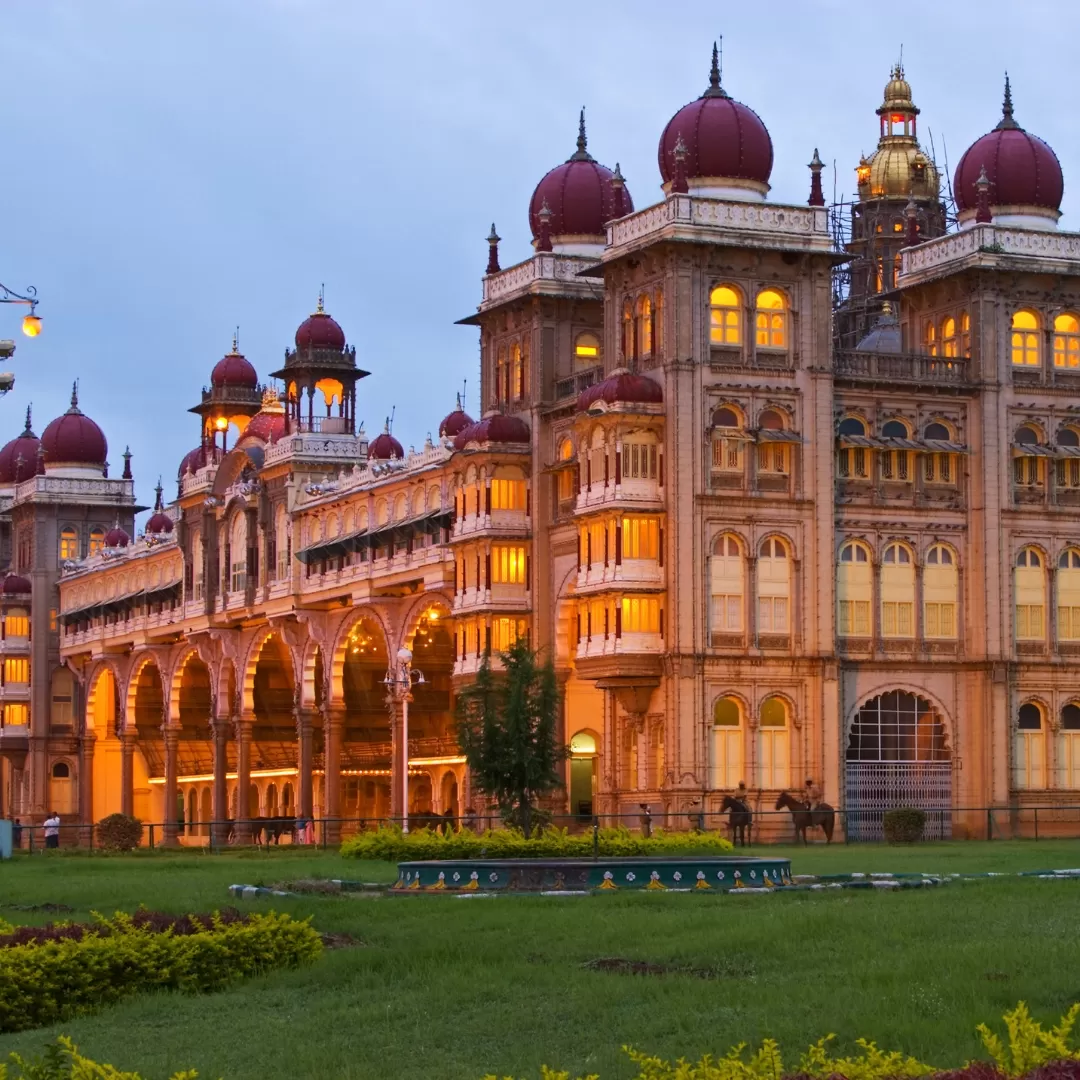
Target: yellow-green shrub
point(392, 845)
point(1029, 1049)
point(45, 982)
point(62, 1061)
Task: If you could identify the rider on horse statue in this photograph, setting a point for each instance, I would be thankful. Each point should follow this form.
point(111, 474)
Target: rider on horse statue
point(813, 794)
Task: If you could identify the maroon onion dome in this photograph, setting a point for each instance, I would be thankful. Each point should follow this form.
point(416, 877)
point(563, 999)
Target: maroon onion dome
point(319, 331)
point(194, 460)
point(268, 426)
point(74, 439)
point(494, 428)
point(1022, 169)
point(117, 538)
point(18, 458)
point(159, 522)
point(234, 369)
point(622, 388)
point(579, 195)
point(385, 447)
point(723, 138)
point(456, 422)
point(15, 585)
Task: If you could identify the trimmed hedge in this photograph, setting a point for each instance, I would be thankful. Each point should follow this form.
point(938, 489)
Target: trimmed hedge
point(119, 832)
point(52, 973)
point(904, 825)
point(1030, 1053)
point(392, 845)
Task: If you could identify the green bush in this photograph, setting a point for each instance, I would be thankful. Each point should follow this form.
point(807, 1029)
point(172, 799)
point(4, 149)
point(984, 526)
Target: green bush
point(392, 845)
point(119, 832)
point(41, 983)
point(904, 825)
point(62, 1061)
point(1031, 1053)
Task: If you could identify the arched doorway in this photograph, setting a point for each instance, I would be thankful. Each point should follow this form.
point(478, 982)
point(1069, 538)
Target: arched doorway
point(102, 709)
point(432, 738)
point(366, 758)
point(148, 765)
point(273, 736)
point(583, 756)
point(195, 745)
point(898, 756)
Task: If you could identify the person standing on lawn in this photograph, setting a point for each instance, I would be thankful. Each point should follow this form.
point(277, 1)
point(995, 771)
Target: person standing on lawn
point(52, 830)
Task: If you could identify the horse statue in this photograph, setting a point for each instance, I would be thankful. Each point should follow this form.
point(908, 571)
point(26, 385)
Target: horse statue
point(803, 818)
point(740, 819)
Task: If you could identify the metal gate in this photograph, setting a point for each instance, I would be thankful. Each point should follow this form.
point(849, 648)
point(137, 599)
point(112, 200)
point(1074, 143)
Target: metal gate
point(897, 756)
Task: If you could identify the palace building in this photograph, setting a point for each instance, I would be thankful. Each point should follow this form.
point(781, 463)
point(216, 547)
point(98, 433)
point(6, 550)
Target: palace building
point(787, 491)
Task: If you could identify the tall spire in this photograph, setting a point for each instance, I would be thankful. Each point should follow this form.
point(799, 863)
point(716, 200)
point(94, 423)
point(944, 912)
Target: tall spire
point(582, 153)
point(1007, 122)
point(817, 196)
point(715, 89)
point(74, 396)
point(319, 309)
point(127, 464)
point(236, 342)
point(158, 504)
point(493, 251)
point(27, 418)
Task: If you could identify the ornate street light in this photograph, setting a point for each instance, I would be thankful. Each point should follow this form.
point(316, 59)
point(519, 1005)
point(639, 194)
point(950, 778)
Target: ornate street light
point(399, 682)
point(31, 324)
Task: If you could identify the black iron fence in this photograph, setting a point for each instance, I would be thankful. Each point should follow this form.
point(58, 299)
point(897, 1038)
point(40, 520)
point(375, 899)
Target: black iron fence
point(1043, 822)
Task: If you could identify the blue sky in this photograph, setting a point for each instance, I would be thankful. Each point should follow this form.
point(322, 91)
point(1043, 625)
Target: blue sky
point(172, 168)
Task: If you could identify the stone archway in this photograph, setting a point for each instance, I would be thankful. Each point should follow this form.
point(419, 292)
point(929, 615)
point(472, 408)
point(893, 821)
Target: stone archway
point(274, 746)
point(193, 703)
point(145, 717)
point(105, 774)
point(366, 738)
point(898, 756)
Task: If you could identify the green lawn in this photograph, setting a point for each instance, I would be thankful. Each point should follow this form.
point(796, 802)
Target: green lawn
point(445, 987)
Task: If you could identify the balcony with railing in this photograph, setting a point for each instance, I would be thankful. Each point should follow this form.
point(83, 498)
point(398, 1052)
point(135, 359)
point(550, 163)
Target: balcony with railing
point(871, 367)
point(570, 387)
point(495, 523)
point(497, 596)
point(626, 574)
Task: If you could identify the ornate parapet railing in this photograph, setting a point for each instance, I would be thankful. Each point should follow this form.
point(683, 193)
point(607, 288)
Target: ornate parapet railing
point(902, 367)
point(544, 266)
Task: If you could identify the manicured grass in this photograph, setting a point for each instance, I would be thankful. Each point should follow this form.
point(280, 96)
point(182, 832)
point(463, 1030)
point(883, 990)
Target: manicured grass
point(455, 988)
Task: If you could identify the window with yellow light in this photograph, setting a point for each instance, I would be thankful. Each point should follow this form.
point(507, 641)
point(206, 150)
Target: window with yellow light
point(587, 349)
point(771, 319)
point(1025, 339)
point(1066, 341)
point(508, 564)
point(725, 315)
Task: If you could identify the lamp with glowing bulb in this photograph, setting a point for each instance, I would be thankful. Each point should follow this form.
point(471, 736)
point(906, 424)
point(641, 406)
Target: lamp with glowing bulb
point(31, 324)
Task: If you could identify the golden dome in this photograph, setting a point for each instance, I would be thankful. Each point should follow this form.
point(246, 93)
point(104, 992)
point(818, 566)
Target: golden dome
point(898, 171)
point(898, 93)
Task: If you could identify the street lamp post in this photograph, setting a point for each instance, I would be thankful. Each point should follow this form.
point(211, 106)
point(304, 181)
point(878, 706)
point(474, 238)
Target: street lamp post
point(399, 682)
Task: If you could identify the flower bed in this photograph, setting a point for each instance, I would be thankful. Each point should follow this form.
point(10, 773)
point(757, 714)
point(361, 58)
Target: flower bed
point(1029, 1053)
point(392, 845)
point(62, 1061)
point(57, 971)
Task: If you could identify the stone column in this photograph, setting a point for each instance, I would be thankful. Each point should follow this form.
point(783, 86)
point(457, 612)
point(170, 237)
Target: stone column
point(86, 779)
point(219, 831)
point(398, 754)
point(172, 738)
point(305, 722)
point(243, 725)
point(333, 730)
point(127, 773)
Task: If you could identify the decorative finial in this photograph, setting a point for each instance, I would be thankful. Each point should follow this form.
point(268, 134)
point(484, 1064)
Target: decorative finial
point(493, 251)
point(982, 198)
point(236, 342)
point(158, 505)
point(543, 241)
point(27, 417)
point(886, 309)
point(1007, 122)
point(582, 153)
point(126, 475)
point(715, 73)
point(679, 185)
point(319, 309)
point(618, 193)
point(75, 394)
point(912, 212)
point(817, 196)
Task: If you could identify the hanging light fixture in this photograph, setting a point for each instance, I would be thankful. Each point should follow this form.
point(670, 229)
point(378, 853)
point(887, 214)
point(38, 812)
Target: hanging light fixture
point(31, 324)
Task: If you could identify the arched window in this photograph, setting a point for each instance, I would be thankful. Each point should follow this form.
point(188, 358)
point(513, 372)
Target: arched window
point(727, 441)
point(502, 377)
point(97, 539)
point(930, 339)
point(851, 460)
point(896, 464)
point(725, 315)
point(1030, 596)
point(949, 345)
point(1066, 341)
point(726, 577)
point(517, 373)
point(941, 592)
point(727, 744)
point(965, 334)
point(774, 744)
point(854, 590)
point(60, 789)
point(567, 482)
point(644, 326)
point(771, 320)
point(1068, 595)
point(62, 693)
point(897, 592)
point(772, 456)
point(1067, 469)
point(16, 623)
point(1029, 756)
point(238, 553)
point(587, 349)
point(1027, 468)
point(628, 350)
point(1025, 339)
point(69, 543)
point(938, 468)
point(774, 586)
point(658, 324)
point(1069, 747)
